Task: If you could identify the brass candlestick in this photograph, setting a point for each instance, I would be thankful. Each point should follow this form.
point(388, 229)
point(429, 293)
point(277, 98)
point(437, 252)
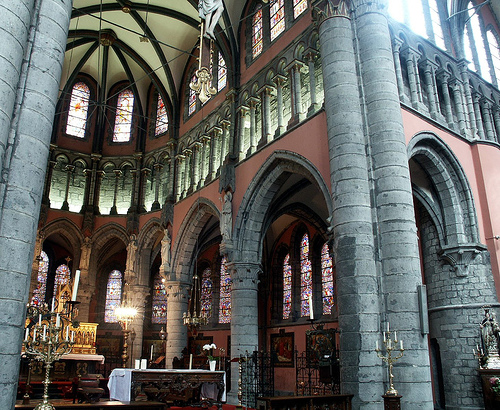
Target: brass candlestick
point(390, 346)
point(47, 338)
point(125, 315)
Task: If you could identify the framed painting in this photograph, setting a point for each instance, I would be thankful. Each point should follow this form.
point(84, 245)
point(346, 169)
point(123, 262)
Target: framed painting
point(282, 345)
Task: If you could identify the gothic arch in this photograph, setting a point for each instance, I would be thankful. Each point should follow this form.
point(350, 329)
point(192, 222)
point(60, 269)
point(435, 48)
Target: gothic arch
point(451, 204)
point(259, 195)
point(185, 242)
point(67, 230)
point(146, 248)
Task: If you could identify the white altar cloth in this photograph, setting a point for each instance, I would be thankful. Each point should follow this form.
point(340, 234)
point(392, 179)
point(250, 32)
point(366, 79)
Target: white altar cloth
point(120, 381)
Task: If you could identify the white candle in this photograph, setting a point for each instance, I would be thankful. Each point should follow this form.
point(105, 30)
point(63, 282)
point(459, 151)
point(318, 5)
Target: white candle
point(401, 342)
point(190, 361)
point(72, 336)
point(151, 354)
point(311, 311)
point(40, 319)
point(384, 336)
point(376, 345)
point(58, 320)
point(44, 331)
point(137, 363)
point(144, 364)
point(75, 285)
point(67, 333)
point(395, 337)
point(388, 327)
point(34, 333)
point(53, 304)
point(26, 334)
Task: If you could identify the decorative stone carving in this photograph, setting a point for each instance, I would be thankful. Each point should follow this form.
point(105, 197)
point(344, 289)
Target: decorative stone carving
point(227, 217)
point(166, 256)
point(460, 257)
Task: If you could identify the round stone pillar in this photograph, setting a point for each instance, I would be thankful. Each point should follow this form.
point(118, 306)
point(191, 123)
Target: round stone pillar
point(244, 317)
point(356, 275)
point(392, 200)
point(177, 305)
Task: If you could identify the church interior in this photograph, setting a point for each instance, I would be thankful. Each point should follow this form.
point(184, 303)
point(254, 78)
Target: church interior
point(297, 188)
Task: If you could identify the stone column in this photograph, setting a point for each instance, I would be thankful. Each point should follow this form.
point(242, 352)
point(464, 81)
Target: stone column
point(69, 170)
point(464, 71)
point(486, 110)
point(171, 172)
point(411, 55)
point(137, 297)
point(215, 155)
point(294, 69)
point(477, 113)
point(178, 188)
point(351, 220)
point(279, 80)
point(265, 108)
point(242, 110)
point(177, 305)
point(311, 56)
point(186, 183)
point(33, 46)
point(429, 68)
point(224, 149)
point(48, 180)
point(444, 76)
point(456, 87)
point(392, 200)
point(87, 281)
point(118, 173)
point(396, 47)
point(496, 120)
point(142, 189)
point(244, 316)
point(253, 102)
point(196, 147)
point(157, 175)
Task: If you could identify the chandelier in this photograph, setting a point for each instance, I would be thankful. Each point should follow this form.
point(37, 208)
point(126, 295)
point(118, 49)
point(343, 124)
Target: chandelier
point(194, 317)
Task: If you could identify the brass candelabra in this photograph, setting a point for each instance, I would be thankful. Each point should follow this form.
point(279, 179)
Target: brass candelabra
point(125, 315)
point(390, 346)
point(48, 337)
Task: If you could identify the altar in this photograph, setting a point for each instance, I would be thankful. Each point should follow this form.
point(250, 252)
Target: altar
point(168, 385)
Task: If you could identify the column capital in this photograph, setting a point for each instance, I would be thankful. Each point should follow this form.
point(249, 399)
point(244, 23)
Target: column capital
point(360, 7)
point(279, 79)
point(326, 8)
point(311, 54)
point(295, 65)
point(253, 101)
point(244, 275)
point(266, 89)
point(215, 131)
point(243, 109)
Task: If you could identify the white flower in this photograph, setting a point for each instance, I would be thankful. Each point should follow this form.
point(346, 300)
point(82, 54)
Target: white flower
point(207, 347)
point(213, 346)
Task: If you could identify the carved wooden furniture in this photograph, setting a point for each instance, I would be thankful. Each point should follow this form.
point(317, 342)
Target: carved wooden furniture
point(87, 389)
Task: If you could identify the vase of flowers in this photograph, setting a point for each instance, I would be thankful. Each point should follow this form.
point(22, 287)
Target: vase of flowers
point(495, 385)
point(211, 359)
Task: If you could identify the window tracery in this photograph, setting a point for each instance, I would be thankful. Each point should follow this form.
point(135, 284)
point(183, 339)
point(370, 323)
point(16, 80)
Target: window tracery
point(78, 110)
point(305, 276)
point(62, 277)
point(123, 118)
point(299, 6)
point(327, 280)
point(221, 72)
point(287, 287)
point(257, 32)
point(225, 294)
point(277, 20)
point(113, 296)
point(161, 125)
point(159, 305)
point(206, 293)
point(43, 269)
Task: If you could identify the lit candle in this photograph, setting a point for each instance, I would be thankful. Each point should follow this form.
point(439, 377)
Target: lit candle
point(44, 332)
point(395, 337)
point(53, 304)
point(401, 344)
point(311, 311)
point(58, 320)
point(75, 285)
point(26, 334)
point(190, 361)
point(40, 319)
point(151, 355)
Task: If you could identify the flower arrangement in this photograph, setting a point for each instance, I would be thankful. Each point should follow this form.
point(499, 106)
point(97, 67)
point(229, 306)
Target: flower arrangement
point(495, 385)
point(208, 348)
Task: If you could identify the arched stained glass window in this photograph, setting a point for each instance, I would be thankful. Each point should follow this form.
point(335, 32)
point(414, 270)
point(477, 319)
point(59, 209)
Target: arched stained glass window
point(225, 294)
point(327, 280)
point(78, 110)
point(43, 268)
point(62, 277)
point(257, 32)
point(474, 45)
point(495, 53)
point(123, 118)
point(277, 17)
point(159, 306)
point(192, 97)
point(221, 72)
point(113, 296)
point(299, 6)
point(206, 293)
point(161, 125)
point(287, 287)
point(305, 276)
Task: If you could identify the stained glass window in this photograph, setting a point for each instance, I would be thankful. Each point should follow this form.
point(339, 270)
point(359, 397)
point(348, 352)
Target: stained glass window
point(436, 24)
point(221, 72)
point(225, 294)
point(287, 287)
point(192, 97)
point(159, 306)
point(257, 32)
point(161, 117)
point(43, 268)
point(327, 280)
point(123, 118)
point(113, 296)
point(476, 38)
point(62, 277)
point(299, 6)
point(206, 293)
point(305, 276)
point(78, 110)
point(495, 53)
point(277, 14)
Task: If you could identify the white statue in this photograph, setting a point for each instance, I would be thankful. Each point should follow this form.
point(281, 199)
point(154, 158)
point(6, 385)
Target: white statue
point(165, 249)
point(131, 253)
point(210, 11)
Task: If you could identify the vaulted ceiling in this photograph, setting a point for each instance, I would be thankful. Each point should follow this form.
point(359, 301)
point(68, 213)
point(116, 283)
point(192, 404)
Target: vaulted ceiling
point(141, 41)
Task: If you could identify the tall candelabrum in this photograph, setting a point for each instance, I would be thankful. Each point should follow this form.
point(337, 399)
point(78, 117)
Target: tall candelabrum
point(392, 354)
point(125, 315)
point(48, 337)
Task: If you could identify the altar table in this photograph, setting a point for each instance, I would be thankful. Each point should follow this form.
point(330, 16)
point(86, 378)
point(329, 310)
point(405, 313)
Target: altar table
point(167, 384)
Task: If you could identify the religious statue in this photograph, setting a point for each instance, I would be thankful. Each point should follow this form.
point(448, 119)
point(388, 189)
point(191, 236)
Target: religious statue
point(490, 333)
point(131, 253)
point(227, 217)
point(165, 250)
point(210, 11)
